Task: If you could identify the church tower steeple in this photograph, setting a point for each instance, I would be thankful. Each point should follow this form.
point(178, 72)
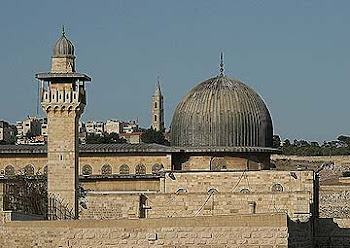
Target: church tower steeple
point(157, 109)
point(63, 99)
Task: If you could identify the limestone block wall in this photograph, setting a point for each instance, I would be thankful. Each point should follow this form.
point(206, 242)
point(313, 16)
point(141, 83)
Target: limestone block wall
point(203, 204)
point(300, 234)
point(260, 231)
point(121, 185)
point(202, 162)
point(19, 162)
point(115, 161)
point(254, 181)
point(332, 233)
point(127, 205)
point(102, 206)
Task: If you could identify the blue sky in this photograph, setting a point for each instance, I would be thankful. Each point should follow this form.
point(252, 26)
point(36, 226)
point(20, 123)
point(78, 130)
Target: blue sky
point(295, 54)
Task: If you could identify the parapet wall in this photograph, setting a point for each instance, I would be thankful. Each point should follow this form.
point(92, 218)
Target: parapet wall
point(259, 230)
point(228, 181)
point(103, 206)
point(204, 204)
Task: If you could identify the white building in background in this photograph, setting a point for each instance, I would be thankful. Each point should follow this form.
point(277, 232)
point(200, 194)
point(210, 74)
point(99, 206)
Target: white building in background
point(131, 127)
point(115, 126)
point(44, 128)
point(95, 127)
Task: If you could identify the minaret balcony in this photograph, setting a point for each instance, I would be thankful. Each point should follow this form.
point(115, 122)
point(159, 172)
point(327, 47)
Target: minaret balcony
point(63, 96)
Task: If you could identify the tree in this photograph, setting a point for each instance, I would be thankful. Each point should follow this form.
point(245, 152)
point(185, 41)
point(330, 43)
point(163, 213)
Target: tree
point(153, 136)
point(112, 138)
point(276, 141)
point(345, 139)
point(286, 143)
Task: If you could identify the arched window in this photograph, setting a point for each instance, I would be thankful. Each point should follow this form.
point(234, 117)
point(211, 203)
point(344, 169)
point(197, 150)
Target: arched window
point(157, 167)
point(45, 170)
point(106, 169)
point(218, 164)
point(245, 191)
point(140, 169)
point(181, 191)
point(9, 170)
point(155, 117)
point(87, 170)
point(29, 170)
point(124, 169)
point(276, 188)
point(212, 191)
point(155, 105)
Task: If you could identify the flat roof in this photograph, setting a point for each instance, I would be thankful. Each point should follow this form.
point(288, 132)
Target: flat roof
point(48, 76)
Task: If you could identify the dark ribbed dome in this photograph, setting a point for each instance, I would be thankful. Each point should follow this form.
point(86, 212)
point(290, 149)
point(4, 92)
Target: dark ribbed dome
point(63, 47)
point(221, 112)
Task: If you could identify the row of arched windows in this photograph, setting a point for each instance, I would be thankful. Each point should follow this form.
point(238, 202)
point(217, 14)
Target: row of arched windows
point(106, 169)
point(276, 188)
point(124, 169)
point(28, 170)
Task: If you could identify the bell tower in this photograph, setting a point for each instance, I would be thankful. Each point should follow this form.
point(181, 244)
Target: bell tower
point(157, 109)
point(63, 99)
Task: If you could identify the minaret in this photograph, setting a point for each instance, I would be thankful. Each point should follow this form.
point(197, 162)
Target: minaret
point(63, 99)
point(157, 109)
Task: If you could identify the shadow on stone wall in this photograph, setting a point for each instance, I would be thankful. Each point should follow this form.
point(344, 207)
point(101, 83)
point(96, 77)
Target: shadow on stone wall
point(300, 234)
point(329, 233)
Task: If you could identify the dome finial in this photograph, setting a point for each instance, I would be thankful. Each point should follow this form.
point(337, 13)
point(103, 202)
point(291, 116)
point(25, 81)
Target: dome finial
point(63, 32)
point(222, 64)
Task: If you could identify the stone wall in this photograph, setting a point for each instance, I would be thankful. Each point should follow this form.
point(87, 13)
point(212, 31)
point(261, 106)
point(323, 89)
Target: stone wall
point(204, 204)
point(300, 234)
point(116, 160)
point(102, 206)
point(134, 184)
point(254, 181)
point(332, 233)
point(259, 231)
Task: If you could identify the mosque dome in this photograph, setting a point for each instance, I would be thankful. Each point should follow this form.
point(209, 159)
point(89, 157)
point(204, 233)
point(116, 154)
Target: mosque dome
point(221, 112)
point(63, 47)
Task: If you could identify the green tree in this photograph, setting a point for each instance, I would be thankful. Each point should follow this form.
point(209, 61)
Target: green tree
point(276, 141)
point(112, 138)
point(345, 139)
point(153, 136)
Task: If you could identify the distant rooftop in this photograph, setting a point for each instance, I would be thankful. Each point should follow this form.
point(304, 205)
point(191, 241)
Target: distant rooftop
point(90, 148)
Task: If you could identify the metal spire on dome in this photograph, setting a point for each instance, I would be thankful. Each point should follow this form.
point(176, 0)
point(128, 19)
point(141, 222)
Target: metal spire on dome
point(222, 64)
point(63, 32)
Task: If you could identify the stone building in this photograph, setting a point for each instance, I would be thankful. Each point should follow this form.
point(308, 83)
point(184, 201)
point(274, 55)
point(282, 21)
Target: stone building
point(7, 132)
point(157, 109)
point(213, 187)
point(63, 99)
point(30, 127)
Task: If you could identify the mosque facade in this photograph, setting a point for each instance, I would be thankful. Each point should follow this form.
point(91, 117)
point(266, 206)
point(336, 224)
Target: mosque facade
point(216, 170)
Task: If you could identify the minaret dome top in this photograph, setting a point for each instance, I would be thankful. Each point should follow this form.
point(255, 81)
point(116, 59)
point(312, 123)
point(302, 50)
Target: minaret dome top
point(63, 47)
